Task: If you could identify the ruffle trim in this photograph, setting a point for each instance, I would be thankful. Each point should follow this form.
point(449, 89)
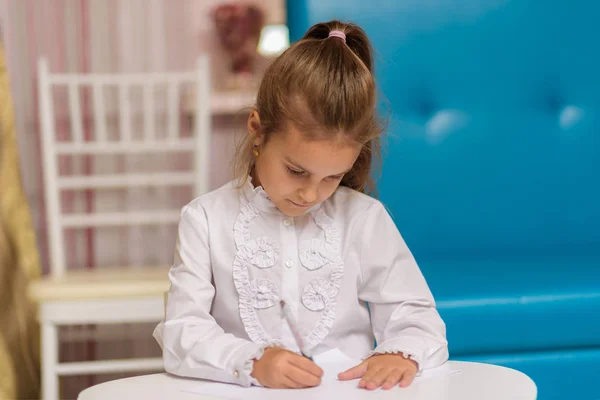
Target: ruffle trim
point(321, 294)
point(315, 254)
point(248, 315)
point(240, 229)
point(317, 293)
point(248, 367)
point(264, 292)
point(263, 252)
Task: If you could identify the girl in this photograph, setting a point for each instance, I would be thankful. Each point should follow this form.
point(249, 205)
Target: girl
point(295, 225)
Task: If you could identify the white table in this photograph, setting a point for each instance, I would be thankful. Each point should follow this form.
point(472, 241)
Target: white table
point(475, 382)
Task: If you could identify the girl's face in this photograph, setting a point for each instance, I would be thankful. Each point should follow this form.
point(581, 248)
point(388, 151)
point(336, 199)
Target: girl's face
point(297, 173)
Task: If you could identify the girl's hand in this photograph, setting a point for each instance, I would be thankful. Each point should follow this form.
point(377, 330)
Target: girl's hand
point(382, 370)
point(279, 368)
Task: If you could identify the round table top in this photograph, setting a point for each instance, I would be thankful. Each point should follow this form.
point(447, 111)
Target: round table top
point(475, 382)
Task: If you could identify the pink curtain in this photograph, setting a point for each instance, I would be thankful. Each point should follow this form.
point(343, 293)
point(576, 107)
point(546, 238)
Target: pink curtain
point(85, 36)
point(106, 36)
point(91, 36)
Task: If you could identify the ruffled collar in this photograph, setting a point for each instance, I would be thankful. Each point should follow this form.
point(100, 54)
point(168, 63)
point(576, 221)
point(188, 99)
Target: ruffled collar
point(260, 199)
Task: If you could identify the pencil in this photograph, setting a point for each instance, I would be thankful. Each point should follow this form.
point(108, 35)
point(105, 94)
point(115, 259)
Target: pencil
point(286, 313)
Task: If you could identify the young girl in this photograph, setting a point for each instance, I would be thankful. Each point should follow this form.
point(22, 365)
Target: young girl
point(295, 225)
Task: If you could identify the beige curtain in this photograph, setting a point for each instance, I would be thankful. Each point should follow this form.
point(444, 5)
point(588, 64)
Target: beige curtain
point(19, 263)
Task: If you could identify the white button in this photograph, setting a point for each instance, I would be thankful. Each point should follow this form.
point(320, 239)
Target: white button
point(236, 374)
point(289, 263)
point(287, 222)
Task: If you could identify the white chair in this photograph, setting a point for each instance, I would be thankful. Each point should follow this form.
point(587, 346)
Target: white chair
point(113, 295)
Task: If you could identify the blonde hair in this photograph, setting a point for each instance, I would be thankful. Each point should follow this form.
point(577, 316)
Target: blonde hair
point(323, 86)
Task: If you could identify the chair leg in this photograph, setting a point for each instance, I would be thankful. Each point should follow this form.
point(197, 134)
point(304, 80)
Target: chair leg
point(50, 389)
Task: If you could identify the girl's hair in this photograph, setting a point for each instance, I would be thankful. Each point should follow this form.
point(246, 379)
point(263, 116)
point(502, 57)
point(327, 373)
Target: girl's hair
point(325, 88)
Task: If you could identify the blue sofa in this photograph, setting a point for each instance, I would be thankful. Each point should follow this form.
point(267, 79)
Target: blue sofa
point(492, 171)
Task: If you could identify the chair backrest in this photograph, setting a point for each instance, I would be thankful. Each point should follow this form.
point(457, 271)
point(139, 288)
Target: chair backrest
point(121, 139)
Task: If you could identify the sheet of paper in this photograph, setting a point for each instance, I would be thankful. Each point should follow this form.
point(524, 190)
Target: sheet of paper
point(332, 362)
point(442, 370)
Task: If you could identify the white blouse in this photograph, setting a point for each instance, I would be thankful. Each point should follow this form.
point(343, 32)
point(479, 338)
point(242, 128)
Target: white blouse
point(237, 255)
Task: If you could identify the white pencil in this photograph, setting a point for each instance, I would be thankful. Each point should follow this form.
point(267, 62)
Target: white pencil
point(287, 314)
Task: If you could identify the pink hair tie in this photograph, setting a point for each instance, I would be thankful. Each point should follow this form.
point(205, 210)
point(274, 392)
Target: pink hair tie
point(338, 34)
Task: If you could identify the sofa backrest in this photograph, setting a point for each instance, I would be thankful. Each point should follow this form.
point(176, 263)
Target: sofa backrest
point(494, 120)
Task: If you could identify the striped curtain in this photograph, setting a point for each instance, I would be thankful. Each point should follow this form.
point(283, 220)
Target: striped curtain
point(87, 36)
point(106, 36)
point(91, 36)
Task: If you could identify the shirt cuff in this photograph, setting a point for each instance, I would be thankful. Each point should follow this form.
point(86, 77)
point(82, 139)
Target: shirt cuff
point(402, 348)
point(252, 353)
point(244, 367)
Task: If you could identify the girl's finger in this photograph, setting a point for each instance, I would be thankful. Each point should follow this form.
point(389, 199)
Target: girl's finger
point(306, 365)
point(377, 380)
point(289, 383)
point(372, 370)
point(354, 372)
point(407, 378)
point(392, 379)
point(302, 377)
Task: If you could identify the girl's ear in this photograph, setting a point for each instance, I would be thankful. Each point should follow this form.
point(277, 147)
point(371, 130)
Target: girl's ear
point(254, 128)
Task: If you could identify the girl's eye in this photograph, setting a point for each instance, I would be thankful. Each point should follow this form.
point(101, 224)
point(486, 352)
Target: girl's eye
point(295, 172)
point(336, 177)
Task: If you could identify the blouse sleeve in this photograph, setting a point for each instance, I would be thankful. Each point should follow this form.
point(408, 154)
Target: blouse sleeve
point(403, 313)
point(193, 344)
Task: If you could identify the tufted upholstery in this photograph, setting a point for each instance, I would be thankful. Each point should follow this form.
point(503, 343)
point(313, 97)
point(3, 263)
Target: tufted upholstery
point(492, 170)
